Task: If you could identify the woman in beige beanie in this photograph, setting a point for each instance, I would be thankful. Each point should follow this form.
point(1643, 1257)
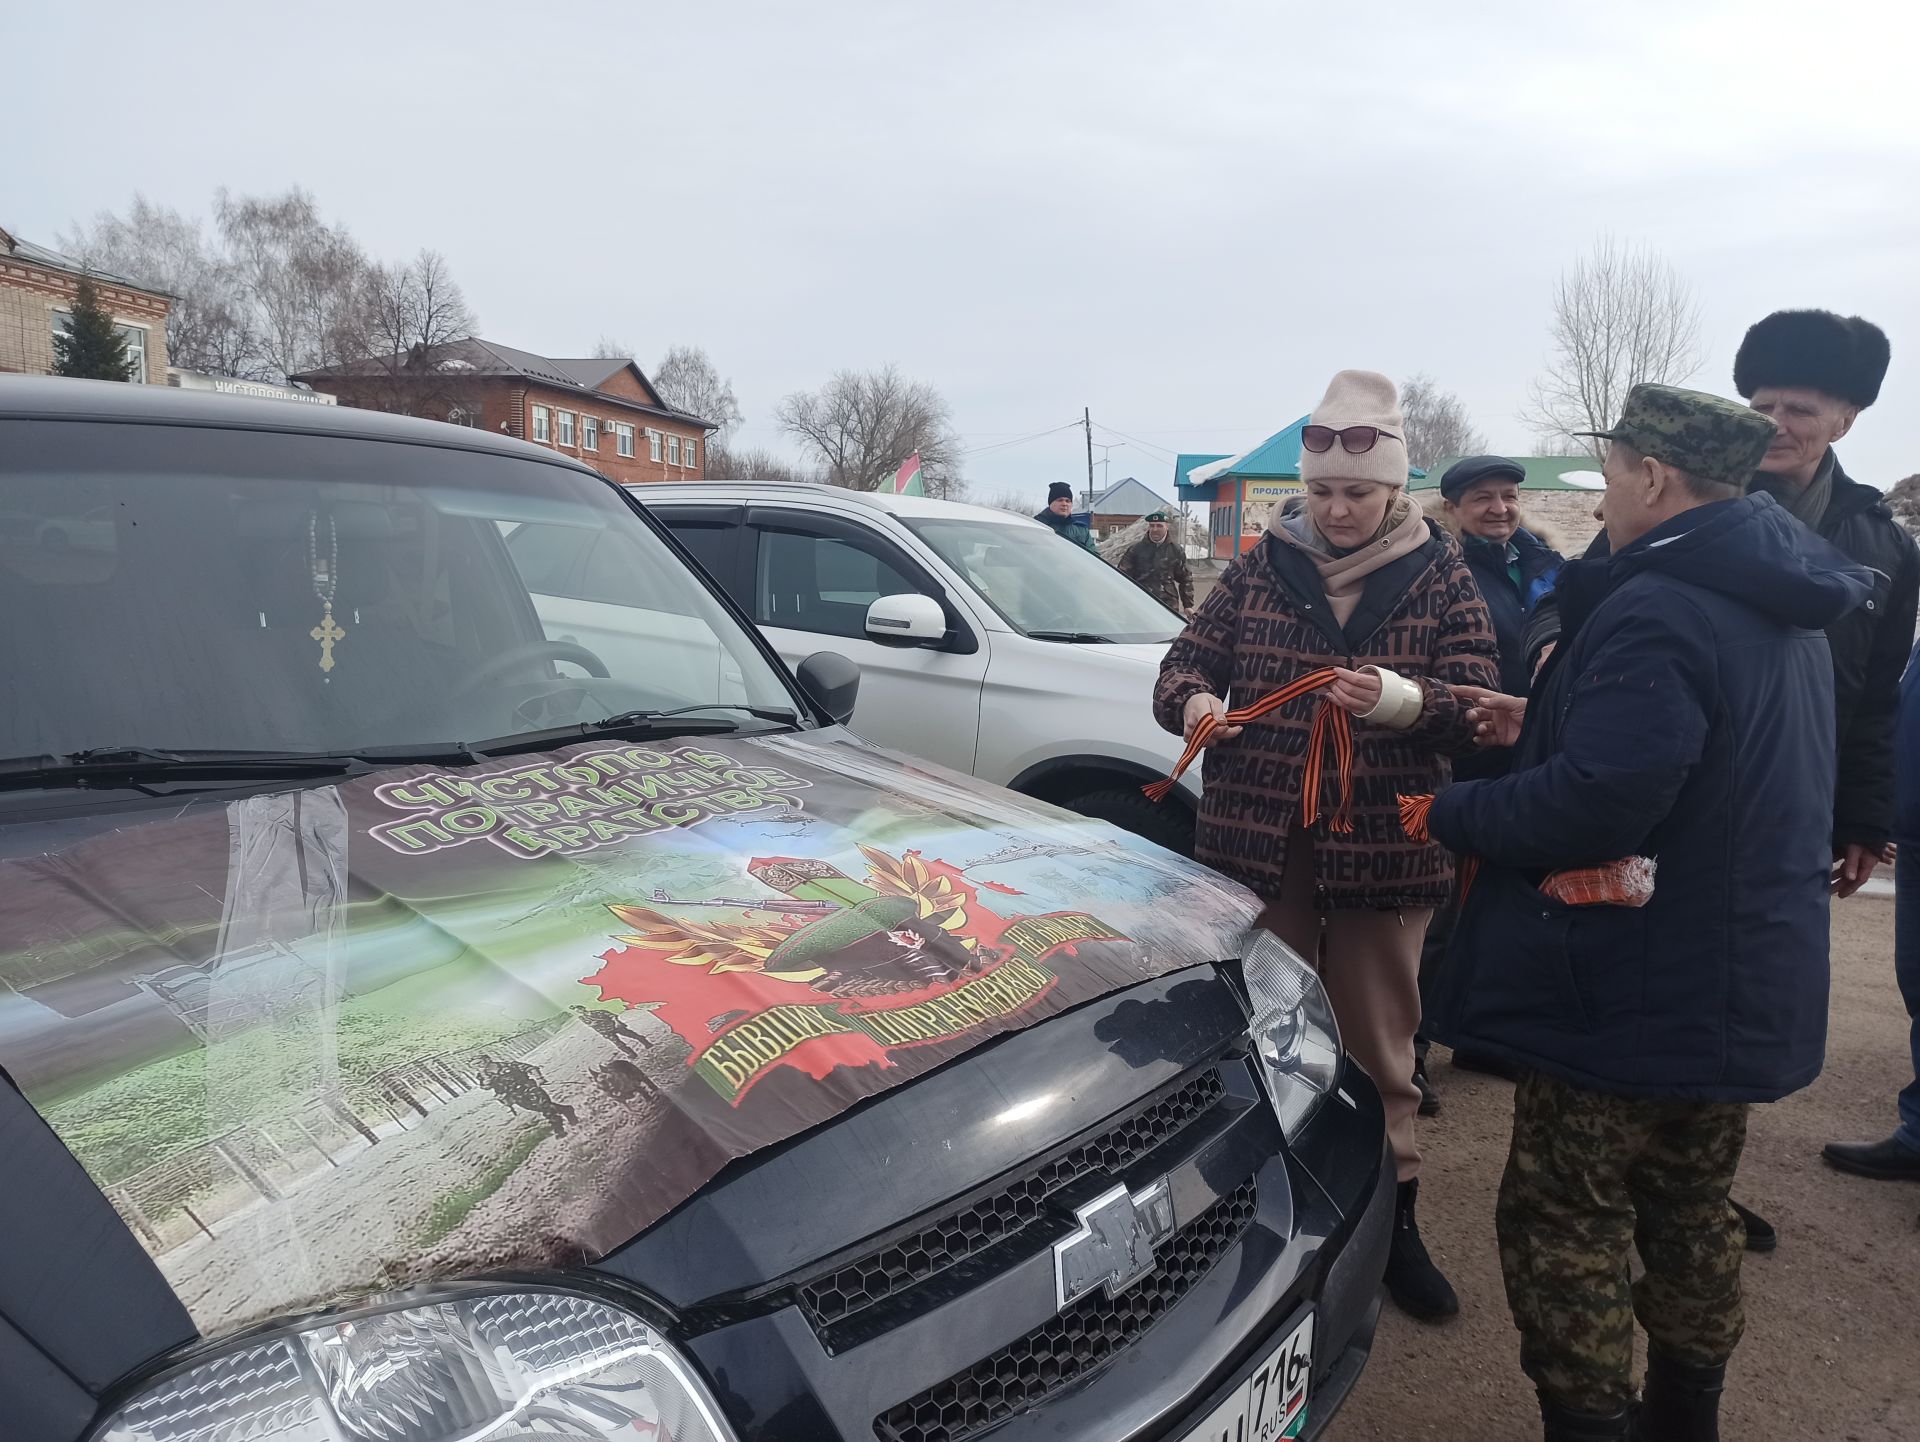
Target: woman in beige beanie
point(1355, 578)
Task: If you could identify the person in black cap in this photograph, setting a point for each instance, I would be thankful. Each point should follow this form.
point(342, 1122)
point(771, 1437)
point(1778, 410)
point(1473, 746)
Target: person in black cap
point(1813, 372)
point(1059, 517)
point(1480, 503)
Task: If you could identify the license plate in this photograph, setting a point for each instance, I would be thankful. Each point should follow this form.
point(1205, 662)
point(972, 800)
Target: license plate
point(1272, 1403)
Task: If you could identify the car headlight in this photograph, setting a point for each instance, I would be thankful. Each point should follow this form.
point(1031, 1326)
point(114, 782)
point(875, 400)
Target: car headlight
point(1293, 1031)
point(476, 1364)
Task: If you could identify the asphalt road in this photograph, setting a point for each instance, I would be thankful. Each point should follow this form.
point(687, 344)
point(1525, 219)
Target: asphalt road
point(1833, 1317)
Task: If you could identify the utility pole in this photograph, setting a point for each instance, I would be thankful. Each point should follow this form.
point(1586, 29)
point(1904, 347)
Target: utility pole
point(1086, 420)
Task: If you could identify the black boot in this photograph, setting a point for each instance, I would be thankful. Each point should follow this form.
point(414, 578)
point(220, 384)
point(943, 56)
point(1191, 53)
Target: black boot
point(1562, 1425)
point(1761, 1237)
point(1412, 1279)
point(1681, 1401)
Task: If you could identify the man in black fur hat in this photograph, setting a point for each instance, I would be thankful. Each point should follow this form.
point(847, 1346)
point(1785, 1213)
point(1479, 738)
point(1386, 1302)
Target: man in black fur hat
point(1814, 372)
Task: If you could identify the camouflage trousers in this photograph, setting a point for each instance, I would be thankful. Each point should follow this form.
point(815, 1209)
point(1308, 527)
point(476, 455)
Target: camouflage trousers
point(1589, 1176)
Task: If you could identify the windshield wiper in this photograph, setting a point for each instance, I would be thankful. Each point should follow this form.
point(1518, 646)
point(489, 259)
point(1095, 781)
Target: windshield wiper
point(1084, 638)
point(680, 720)
point(136, 765)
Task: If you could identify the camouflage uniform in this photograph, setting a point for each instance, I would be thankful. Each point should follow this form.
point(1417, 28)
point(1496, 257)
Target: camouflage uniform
point(1160, 569)
point(1588, 1175)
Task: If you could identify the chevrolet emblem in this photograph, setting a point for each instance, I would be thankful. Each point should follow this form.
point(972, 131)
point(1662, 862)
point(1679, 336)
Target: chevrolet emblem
point(1112, 1243)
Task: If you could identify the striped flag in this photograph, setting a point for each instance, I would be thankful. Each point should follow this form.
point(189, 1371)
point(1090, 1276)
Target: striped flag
point(906, 480)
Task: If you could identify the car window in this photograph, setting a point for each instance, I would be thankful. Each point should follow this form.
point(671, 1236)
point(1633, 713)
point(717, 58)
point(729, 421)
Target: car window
point(181, 589)
point(822, 583)
point(1038, 583)
point(712, 545)
point(545, 556)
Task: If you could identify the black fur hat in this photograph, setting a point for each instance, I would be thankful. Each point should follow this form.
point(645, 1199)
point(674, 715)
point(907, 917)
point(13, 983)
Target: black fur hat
point(1843, 356)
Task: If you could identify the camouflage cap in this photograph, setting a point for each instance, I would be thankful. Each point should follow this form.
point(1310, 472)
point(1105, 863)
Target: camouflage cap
point(1704, 435)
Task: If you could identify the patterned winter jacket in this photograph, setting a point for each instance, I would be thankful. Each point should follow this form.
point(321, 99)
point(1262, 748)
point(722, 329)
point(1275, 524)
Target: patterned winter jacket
point(1268, 621)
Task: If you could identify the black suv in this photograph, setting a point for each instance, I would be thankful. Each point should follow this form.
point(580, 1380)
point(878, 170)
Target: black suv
point(422, 1019)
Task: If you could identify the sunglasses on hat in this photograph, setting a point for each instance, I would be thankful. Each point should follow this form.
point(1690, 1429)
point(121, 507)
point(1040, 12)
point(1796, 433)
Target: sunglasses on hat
point(1354, 440)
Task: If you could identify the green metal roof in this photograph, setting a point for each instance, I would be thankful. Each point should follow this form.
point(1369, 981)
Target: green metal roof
point(1544, 473)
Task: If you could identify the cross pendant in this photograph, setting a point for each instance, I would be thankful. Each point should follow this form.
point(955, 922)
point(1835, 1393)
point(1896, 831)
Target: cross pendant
point(326, 633)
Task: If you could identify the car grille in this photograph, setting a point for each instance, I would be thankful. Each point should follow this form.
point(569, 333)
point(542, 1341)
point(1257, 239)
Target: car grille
point(1072, 1345)
point(1005, 1213)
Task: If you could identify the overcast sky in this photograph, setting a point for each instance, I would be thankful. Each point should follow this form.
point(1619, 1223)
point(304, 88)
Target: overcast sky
point(1183, 216)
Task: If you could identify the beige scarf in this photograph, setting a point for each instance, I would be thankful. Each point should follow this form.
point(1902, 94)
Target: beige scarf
point(1344, 577)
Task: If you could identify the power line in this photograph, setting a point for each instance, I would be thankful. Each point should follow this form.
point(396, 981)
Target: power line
point(1156, 452)
point(1021, 440)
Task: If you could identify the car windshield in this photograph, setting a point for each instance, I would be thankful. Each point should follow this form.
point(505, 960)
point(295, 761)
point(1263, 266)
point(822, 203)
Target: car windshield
point(1044, 586)
point(188, 589)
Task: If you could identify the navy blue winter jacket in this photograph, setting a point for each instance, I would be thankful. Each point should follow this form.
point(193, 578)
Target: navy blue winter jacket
point(1686, 715)
point(1906, 757)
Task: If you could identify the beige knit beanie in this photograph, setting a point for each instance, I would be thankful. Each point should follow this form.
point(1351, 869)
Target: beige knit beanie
point(1359, 398)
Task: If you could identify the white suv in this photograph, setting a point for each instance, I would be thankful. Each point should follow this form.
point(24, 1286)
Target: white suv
point(984, 641)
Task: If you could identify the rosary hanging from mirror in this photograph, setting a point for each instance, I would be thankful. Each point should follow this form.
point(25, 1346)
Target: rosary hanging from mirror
point(325, 570)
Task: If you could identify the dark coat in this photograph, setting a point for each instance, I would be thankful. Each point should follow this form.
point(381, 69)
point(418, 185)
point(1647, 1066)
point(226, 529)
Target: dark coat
point(1267, 622)
point(1686, 715)
point(1510, 606)
point(1870, 646)
point(1067, 529)
point(1906, 757)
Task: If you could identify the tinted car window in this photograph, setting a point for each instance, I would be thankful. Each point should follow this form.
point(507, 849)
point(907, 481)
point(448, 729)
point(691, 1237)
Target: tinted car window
point(181, 589)
point(821, 583)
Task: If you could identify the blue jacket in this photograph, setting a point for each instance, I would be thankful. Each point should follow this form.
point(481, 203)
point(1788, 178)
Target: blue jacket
point(1906, 757)
point(1686, 715)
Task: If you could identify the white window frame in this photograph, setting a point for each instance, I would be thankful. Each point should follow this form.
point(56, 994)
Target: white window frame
point(133, 332)
point(623, 440)
point(653, 444)
point(564, 427)
point(689, 453)
point(542, 424)
point(673, 450)
point(589, 433)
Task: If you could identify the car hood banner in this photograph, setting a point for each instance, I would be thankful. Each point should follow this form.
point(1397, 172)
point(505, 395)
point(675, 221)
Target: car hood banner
point(338, 1040)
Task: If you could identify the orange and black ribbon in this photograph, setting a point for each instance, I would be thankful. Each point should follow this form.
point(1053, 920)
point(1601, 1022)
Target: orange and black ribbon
point(1414, 814)
point(1331, 729)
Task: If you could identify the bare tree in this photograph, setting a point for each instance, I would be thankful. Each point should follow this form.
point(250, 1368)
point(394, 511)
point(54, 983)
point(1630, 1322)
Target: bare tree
point(607, 348)
point(687, 381)
point(756, 465)
point(862, 425)
point(1437, 424)
point(1622, 317)
point(407, 318)
point(207, 326)
point(304, 280)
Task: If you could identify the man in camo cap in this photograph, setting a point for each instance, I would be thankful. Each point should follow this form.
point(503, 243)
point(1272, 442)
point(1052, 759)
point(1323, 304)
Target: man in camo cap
point(1158, 565)
point(1686, 716)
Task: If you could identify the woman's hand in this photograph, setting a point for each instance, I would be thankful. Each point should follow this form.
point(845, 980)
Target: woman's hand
point(1356, 692)
point(1205, 703)
point(1496, 718)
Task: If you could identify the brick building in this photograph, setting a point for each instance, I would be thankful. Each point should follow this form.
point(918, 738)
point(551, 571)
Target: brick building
point(36, 296)
point(606, 412)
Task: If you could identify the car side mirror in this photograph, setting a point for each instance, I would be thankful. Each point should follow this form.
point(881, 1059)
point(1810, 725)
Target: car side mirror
point(833, 682)
point(908, 619)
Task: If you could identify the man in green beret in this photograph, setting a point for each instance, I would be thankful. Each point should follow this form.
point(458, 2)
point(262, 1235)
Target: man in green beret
point(1682, 730)
point(1158, 566)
